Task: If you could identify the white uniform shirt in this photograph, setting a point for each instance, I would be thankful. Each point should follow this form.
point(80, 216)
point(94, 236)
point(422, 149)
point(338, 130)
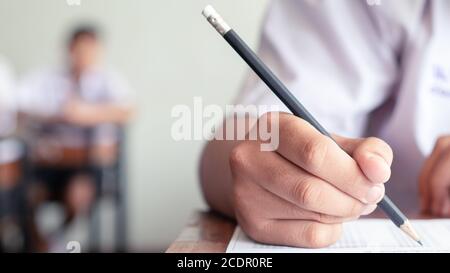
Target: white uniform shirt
point(45, 93)
point(365, 70)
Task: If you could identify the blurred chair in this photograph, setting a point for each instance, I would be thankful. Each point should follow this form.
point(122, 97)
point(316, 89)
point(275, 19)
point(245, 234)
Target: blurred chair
point(108, 172)
point(14, 176)
point(111, 182)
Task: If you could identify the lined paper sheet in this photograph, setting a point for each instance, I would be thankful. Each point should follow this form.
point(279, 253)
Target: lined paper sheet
point(365, 235)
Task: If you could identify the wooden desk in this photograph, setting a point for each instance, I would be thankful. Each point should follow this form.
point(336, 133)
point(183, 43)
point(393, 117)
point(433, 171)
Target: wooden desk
point(208, 232)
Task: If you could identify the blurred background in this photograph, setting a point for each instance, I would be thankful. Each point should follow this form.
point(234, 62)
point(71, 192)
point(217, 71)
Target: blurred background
point(163, 53)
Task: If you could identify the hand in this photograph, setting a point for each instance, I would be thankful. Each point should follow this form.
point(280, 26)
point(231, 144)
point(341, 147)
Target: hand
point(87, 114)
point(434, 180)
point(301, 194)
point(78, 112)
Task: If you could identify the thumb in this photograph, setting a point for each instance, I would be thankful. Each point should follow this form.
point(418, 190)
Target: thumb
point(373, 155)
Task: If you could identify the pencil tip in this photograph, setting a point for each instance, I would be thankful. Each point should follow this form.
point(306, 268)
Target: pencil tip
point(408, 229)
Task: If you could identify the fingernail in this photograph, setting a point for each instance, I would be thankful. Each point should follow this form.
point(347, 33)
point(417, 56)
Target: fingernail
point(369, 209)
point(375, 194)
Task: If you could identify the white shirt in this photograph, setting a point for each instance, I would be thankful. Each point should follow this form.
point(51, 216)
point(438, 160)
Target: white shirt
point(365, 70)
point(45, 93)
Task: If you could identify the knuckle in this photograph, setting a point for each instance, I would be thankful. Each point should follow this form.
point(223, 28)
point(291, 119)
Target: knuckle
point(306, 193)
point(313, 154)
point(238, 158)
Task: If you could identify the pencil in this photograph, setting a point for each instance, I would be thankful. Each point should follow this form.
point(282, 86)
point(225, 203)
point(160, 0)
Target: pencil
point(291, 102)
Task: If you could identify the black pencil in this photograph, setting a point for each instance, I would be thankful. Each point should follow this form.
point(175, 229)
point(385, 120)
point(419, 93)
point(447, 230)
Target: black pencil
point(281, 91)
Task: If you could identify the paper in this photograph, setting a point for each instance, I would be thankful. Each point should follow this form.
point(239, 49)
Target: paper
point(365, 235)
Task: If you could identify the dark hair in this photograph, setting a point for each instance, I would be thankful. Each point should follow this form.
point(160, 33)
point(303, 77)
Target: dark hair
point(83, 31)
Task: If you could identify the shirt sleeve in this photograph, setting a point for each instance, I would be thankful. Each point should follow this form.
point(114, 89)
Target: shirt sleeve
point(335, 56)
point(43, 93)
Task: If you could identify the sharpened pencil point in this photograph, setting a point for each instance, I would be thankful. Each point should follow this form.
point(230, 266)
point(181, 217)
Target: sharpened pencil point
point(408, 229)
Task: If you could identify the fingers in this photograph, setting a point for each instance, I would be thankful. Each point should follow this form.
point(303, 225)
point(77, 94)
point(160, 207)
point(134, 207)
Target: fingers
point(319, 155)
point(373, 156)
point(428, 174)
point(445, 209)
point(296, 233)
point(256, 201)
point(424, 195)
point(439, 182)
point(279, 176)
point(267, 218)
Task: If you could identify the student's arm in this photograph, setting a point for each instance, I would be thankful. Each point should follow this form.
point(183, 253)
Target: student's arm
point(86, 114)
point(83, 114)
point(118, 108)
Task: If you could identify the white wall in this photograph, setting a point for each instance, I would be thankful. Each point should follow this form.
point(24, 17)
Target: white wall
point(170, 54)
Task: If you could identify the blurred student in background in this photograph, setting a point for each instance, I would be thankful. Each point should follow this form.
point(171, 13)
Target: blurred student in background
point(11, 153)
point(75, 112)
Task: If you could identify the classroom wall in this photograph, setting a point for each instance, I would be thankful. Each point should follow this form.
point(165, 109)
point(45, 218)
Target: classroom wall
point(170, 55)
